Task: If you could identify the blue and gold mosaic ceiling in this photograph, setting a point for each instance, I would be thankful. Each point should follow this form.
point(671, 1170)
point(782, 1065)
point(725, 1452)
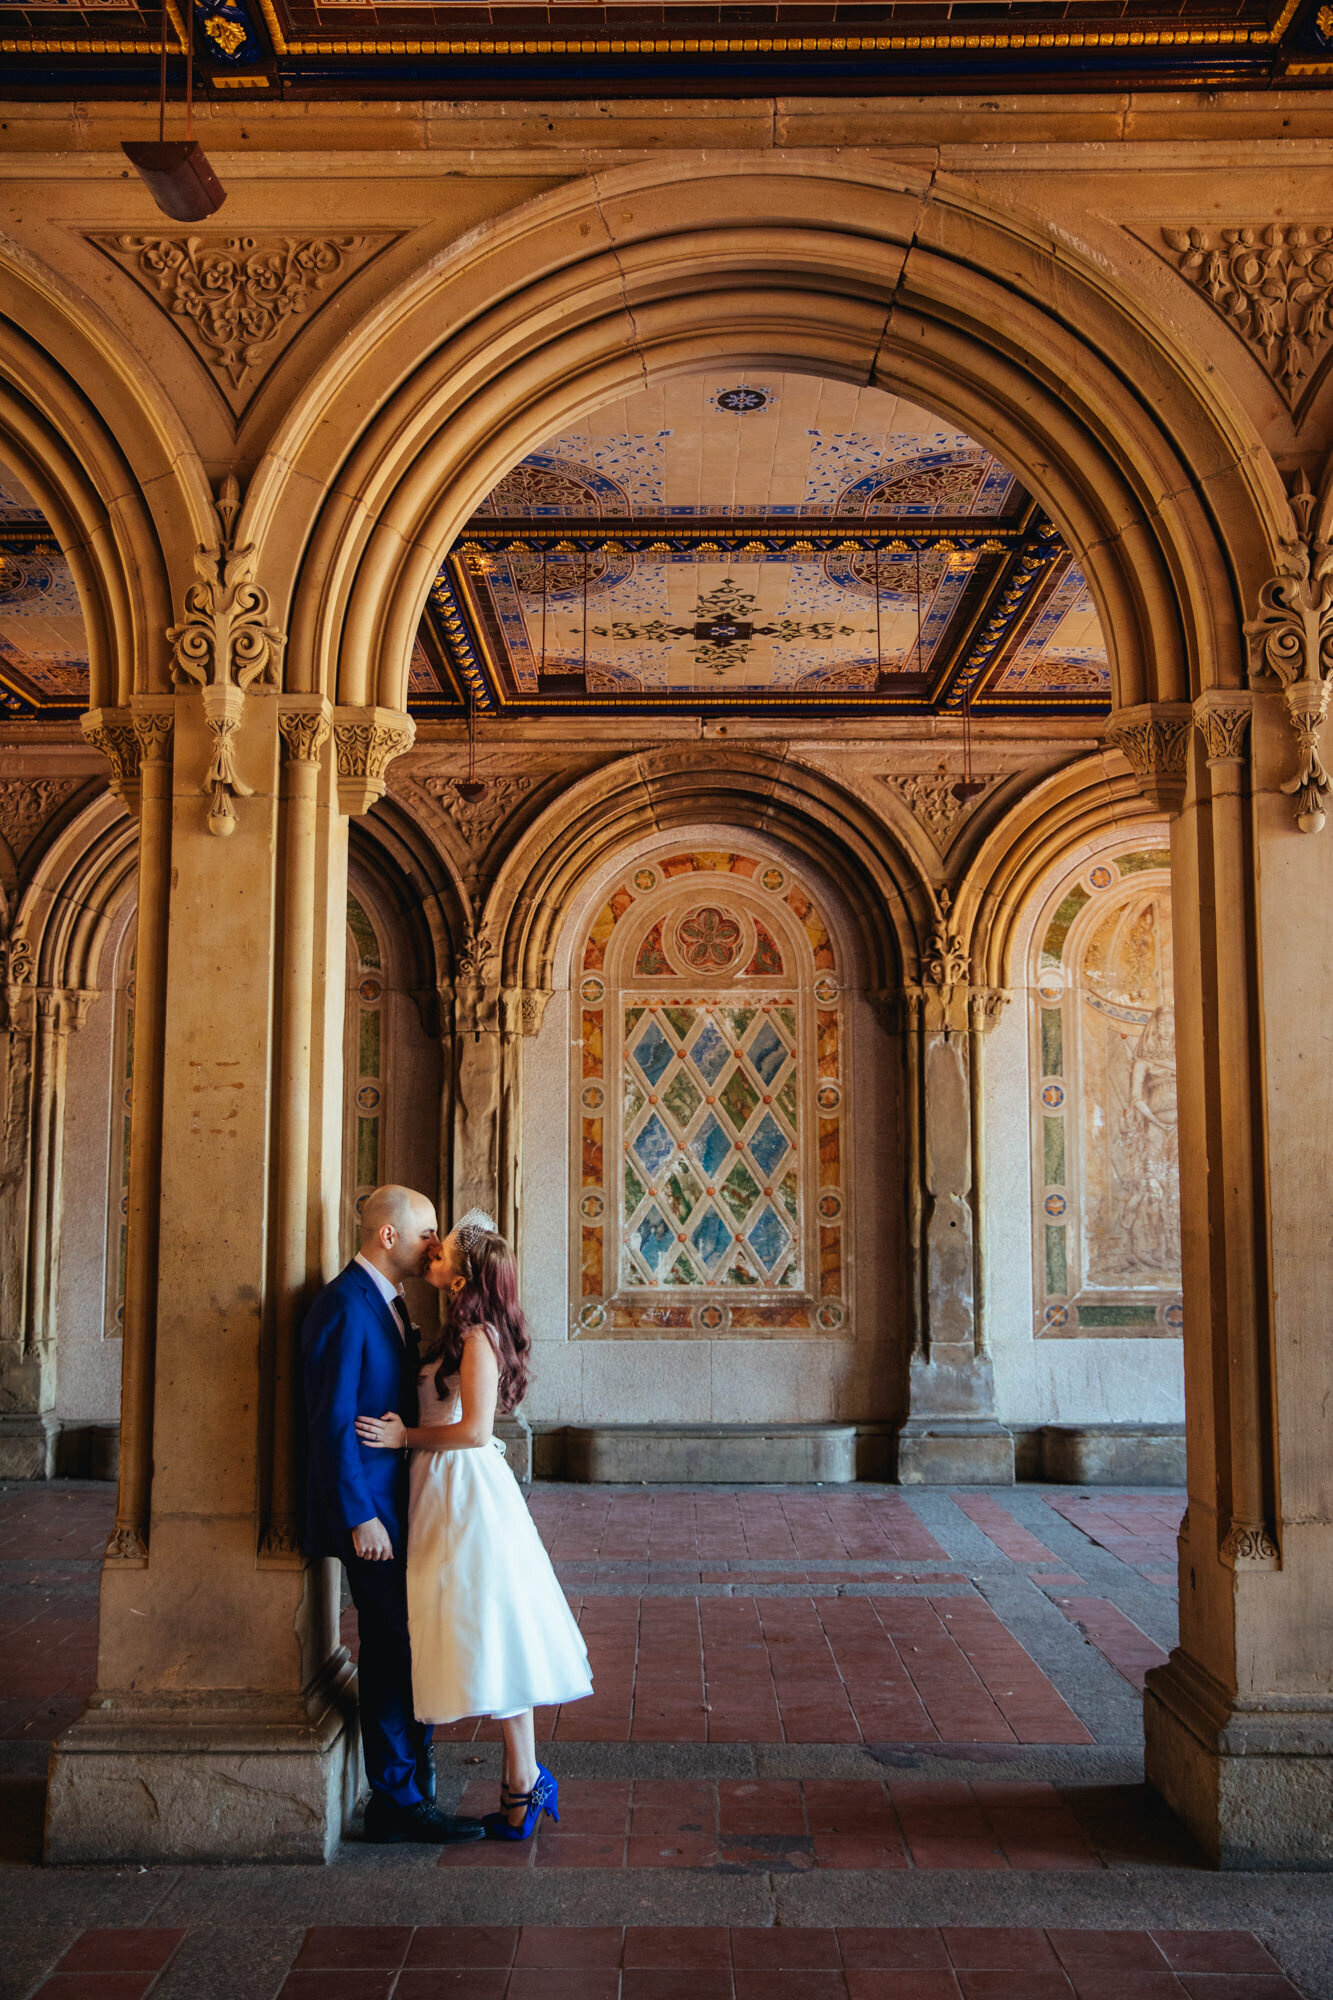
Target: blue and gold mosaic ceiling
point(720, 543)
point(251, 49)
point(727, 542)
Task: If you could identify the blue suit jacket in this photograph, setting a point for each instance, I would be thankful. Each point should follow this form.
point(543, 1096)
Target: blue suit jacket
point(356, 1365)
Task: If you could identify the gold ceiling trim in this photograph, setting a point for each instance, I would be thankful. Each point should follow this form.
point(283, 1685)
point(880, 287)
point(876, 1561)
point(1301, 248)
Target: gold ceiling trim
point(1088, 38)
point(49, 45)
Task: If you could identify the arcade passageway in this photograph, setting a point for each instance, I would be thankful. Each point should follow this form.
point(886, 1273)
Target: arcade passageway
point(859, 1744)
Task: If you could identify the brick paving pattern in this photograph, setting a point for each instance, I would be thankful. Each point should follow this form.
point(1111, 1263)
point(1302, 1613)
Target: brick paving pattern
point(602, 1962)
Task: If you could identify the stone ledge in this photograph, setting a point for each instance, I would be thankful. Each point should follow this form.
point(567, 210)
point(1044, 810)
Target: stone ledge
point(955, 1451)
point(1112, 1454)
point(711, 1454)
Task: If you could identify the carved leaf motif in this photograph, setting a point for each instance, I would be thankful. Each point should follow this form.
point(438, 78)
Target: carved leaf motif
point(237, 297)
point(1274, 286)
point(477, 819)
point(25, 806)
point(930, 798)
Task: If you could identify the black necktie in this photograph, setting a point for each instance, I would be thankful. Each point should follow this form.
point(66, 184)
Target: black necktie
point(404, 1323)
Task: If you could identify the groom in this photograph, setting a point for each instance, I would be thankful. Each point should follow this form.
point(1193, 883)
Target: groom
point(360, 1360)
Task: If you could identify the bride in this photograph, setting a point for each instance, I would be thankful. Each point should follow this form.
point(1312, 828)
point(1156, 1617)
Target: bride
point(491, 1632)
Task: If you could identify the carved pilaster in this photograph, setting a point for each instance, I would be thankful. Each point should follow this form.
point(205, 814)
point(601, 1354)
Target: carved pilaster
point(1154, 741)
point(224, 711)
point(112, 731)
point(1292, 639)
point(1223, 720)
point(365, 743)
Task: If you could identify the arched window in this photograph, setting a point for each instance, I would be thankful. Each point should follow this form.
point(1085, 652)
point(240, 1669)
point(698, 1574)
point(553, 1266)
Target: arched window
point(1106, 1162)
point(710, 1082)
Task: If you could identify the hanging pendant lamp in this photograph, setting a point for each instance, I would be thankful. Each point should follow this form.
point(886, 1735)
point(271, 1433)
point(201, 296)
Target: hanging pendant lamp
point(176, 172)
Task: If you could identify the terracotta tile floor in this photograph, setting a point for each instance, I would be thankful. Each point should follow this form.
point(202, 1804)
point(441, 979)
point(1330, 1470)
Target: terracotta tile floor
point(399, 1962)
point(812, 1705)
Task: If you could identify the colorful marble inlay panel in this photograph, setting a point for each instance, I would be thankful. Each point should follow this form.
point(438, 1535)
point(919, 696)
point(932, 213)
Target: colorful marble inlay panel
point(364, 1066)
point(708, 1076)
point(43, 650)
point(1105, 1150)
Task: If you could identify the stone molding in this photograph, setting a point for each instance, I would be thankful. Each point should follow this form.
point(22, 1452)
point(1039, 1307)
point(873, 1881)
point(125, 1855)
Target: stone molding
point(1292, 639)
point(240, 300)
point(1153, 738)
point(155, 727)
point(1273, 287)
point(1223, 720)
point(365, 743)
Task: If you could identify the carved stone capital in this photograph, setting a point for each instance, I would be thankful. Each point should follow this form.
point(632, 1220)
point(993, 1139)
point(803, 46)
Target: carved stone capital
point(154, 725)
point(112, 731)
point(365, 743)
point(1223, 720)
point(1153, 738)
point(522, 1009)
point(985, 1004)
point(304, 730)
point(1250, 1545)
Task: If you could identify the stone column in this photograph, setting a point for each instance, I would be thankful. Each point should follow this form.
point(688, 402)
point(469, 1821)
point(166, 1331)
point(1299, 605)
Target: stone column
point(222, 1724)
point(1239, 1723)
point(952, 1435)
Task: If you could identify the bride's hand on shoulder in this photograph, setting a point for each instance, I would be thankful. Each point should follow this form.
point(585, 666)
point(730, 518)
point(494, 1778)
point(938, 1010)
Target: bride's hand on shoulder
point(387, 1433)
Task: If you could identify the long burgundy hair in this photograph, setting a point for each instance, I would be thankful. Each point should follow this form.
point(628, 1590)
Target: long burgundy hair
point(489, 1298)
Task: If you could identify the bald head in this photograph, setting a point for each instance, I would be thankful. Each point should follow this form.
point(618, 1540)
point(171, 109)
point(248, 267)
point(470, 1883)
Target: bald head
point(398, 1232)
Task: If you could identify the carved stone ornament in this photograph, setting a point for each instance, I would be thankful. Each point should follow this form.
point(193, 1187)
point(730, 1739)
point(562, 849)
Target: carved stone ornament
point(1249, 1546)
point(365, 743)
point(154, 728)
point(112, 731)
point(1154, 741)
point(239, 300)
point(225, 646)
point(1273, 285)
point(1224, 724)
point(304, 733)
point(26, 804)
point(945, 965)
point(1292, 639)
point(477, 819)
point(931, 798)
point(985, 1006)
point(476, 954)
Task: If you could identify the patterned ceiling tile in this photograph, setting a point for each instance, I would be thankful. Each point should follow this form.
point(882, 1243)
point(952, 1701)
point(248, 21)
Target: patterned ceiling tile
point(1063, 650)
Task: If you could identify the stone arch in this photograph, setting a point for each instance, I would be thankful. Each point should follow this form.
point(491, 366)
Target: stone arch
point(604, 813)
point(1155, 477)
point(72, 899)
point(113, 469)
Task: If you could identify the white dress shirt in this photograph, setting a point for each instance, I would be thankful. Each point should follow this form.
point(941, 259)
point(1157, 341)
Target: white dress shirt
point(391, 1294)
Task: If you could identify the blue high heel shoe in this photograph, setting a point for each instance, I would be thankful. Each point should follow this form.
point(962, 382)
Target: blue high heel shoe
point(543, 1798)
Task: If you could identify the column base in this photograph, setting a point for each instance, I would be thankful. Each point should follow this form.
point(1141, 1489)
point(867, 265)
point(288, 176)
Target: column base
point(28, 1447)
point(216, 1776)
point(1251, 1779)
point(955, 1451)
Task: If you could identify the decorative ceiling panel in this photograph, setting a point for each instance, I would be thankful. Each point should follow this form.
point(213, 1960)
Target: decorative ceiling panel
point(721, 541)
point(43, 651)
point(618, 47)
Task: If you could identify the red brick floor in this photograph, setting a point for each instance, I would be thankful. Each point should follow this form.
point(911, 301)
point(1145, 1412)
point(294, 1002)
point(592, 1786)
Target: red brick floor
point(398, 1962)
point(1140, 1529)
point(790, 1827)
point(805, 1670)
point(663, 1527)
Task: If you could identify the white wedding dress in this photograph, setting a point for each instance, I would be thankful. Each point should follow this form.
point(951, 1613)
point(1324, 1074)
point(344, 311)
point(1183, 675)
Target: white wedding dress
point(491, 1631)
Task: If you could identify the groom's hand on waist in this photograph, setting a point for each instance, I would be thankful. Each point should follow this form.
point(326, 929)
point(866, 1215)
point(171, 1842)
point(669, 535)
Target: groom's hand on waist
point(371, 1542)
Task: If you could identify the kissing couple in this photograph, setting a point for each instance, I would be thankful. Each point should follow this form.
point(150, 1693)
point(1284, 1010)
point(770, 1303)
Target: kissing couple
point(458, 1608)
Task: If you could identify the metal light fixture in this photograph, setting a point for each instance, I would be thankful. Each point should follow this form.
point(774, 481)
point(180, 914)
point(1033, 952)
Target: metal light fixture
point(471, 789)
point(176, 172)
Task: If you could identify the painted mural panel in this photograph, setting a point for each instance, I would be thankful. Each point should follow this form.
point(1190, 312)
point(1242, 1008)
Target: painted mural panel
point(709, 1078)
point(1104, 1116)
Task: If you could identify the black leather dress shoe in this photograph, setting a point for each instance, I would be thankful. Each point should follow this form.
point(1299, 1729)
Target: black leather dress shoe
point(388, 1824)
point(426, 1776)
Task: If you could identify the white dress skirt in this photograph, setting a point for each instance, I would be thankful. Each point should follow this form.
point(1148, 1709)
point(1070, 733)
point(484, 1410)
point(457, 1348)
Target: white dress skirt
point(491, 1631)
